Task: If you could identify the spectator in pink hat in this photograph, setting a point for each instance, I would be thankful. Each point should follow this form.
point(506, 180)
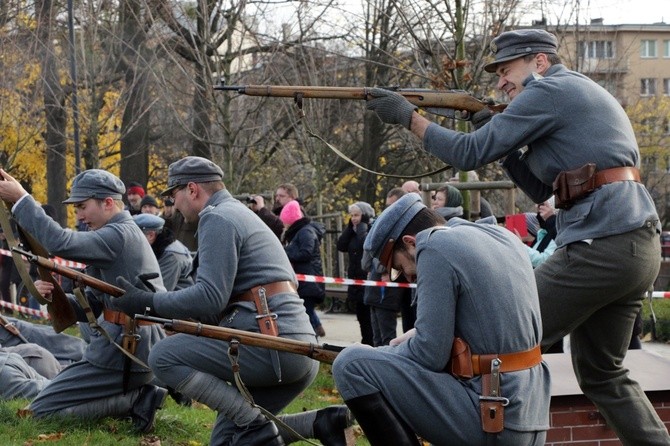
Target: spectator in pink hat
point(302, 241)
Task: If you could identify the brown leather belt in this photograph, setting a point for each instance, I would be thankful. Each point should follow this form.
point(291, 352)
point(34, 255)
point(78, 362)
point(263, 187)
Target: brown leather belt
point(259, 295)
point(119, 318)
point(511, 362)
point(615, 174)
point(492, 402)
point(270, 290)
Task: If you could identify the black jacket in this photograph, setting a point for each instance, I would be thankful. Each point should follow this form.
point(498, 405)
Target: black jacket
point(303, 248)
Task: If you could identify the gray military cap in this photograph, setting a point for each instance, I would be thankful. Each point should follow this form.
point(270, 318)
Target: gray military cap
point(192, 169)
point(149, 221)
point(389, 225)
point(518, 43)
point(95, 183)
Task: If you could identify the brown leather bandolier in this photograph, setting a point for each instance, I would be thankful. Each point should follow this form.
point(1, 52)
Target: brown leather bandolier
point(259, 295)
point(465, 365)
point(571, 185)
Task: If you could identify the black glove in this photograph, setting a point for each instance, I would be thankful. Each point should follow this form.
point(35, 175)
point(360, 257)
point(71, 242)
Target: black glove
point(480, 118)
point(136, 299)
point(391, 107)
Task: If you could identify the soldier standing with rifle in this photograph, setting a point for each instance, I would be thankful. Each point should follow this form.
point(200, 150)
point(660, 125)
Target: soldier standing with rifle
point(244, 281)
point(565, 135)
point(115, 246)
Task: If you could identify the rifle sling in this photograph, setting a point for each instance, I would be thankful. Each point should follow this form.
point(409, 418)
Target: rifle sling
point(354, 163)
point(6, 224)
point(93, 323)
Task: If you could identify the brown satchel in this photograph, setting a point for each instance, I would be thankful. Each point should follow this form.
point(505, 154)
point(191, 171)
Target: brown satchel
point(571, 185)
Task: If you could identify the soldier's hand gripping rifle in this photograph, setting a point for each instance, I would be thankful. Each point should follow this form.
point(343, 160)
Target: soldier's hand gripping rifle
point(321, 352)
point(439, 102)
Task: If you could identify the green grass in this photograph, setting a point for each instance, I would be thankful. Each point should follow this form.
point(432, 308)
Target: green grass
point(662, 312)
point(175, 425)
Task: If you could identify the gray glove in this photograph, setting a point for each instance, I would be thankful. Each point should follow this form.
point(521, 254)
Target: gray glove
point(136, 299)
point(391, 107)
point(480, 118)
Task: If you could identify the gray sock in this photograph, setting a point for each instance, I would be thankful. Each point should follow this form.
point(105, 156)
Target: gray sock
point(220, 396)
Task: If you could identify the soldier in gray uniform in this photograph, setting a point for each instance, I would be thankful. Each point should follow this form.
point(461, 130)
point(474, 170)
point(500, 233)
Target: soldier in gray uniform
point(563, 134)
point(241, 268)
point(18, 379)
point(115, 246)
point(173, 256)
point(36, 357)
point(475, 287)
point(66, 348)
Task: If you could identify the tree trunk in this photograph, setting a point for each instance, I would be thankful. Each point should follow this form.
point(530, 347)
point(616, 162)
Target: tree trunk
point(135, 124)
point(56, 119)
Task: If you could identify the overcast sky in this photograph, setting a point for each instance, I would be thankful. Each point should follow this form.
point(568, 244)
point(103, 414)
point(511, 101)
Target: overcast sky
point(616, 12)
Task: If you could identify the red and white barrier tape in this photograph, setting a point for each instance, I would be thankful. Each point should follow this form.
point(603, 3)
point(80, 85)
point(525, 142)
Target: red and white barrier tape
point(309, 278)
point(360, 282)
point(25, 310)
point(58, 260)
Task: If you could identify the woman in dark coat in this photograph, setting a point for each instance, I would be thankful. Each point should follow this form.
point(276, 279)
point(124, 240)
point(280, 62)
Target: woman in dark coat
point(351, 241)
point(302, 241)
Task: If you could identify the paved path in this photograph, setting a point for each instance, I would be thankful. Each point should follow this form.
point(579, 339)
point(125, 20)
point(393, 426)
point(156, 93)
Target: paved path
point(343, 329)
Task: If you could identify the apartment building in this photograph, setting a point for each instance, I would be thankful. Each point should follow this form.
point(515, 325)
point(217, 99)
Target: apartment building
point(630, 61)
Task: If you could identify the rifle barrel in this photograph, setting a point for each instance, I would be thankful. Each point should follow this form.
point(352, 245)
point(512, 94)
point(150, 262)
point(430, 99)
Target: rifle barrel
point(75, 275)
point(421, 97)
point(322, 353)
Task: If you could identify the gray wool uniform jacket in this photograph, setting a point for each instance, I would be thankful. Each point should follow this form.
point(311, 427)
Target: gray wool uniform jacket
point(476, 282)
point(566, 120)
point(119, 248)
point(236, 252)
point(176, 264)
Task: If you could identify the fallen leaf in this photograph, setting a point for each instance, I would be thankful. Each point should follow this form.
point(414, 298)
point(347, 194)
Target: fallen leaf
point(150, 440)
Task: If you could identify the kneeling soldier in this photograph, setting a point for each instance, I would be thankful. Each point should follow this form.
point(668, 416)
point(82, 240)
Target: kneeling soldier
point(244, 281)
point(470, 371)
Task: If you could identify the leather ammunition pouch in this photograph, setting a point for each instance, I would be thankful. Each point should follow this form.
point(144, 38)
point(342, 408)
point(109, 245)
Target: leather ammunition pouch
point(464, 365)
point(571, 185)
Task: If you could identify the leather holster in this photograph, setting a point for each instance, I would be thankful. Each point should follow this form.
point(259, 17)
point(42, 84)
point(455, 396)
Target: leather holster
point(571, 185)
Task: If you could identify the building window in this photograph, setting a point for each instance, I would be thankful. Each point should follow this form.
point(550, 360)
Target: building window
point(608, 85)
point(666, 48)
point(648, 87)
point(666, 86)
point(648, 48)
point(598, 49)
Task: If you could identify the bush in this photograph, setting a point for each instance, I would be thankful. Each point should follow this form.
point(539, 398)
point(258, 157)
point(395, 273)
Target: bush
point(662, 312)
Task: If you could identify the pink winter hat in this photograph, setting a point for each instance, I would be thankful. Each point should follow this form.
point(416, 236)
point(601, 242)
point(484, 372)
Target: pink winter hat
point(290, 213)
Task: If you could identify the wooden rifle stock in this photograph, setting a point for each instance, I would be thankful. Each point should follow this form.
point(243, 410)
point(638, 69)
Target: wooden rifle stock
point(432, 100)
point(323, 353)
point(75, 275)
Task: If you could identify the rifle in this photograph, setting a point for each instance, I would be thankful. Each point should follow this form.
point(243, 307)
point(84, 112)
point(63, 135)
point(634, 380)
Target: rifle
point(12, 329)
point(438, 102)
point(70, 273)
point(323, 353)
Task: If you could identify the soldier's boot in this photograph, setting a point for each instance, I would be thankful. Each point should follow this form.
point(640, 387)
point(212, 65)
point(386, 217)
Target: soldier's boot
point(259, 432)
point(380, 423)
point(252, 427)
point(139, 404)
point(143, 412)
point(332, 426)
